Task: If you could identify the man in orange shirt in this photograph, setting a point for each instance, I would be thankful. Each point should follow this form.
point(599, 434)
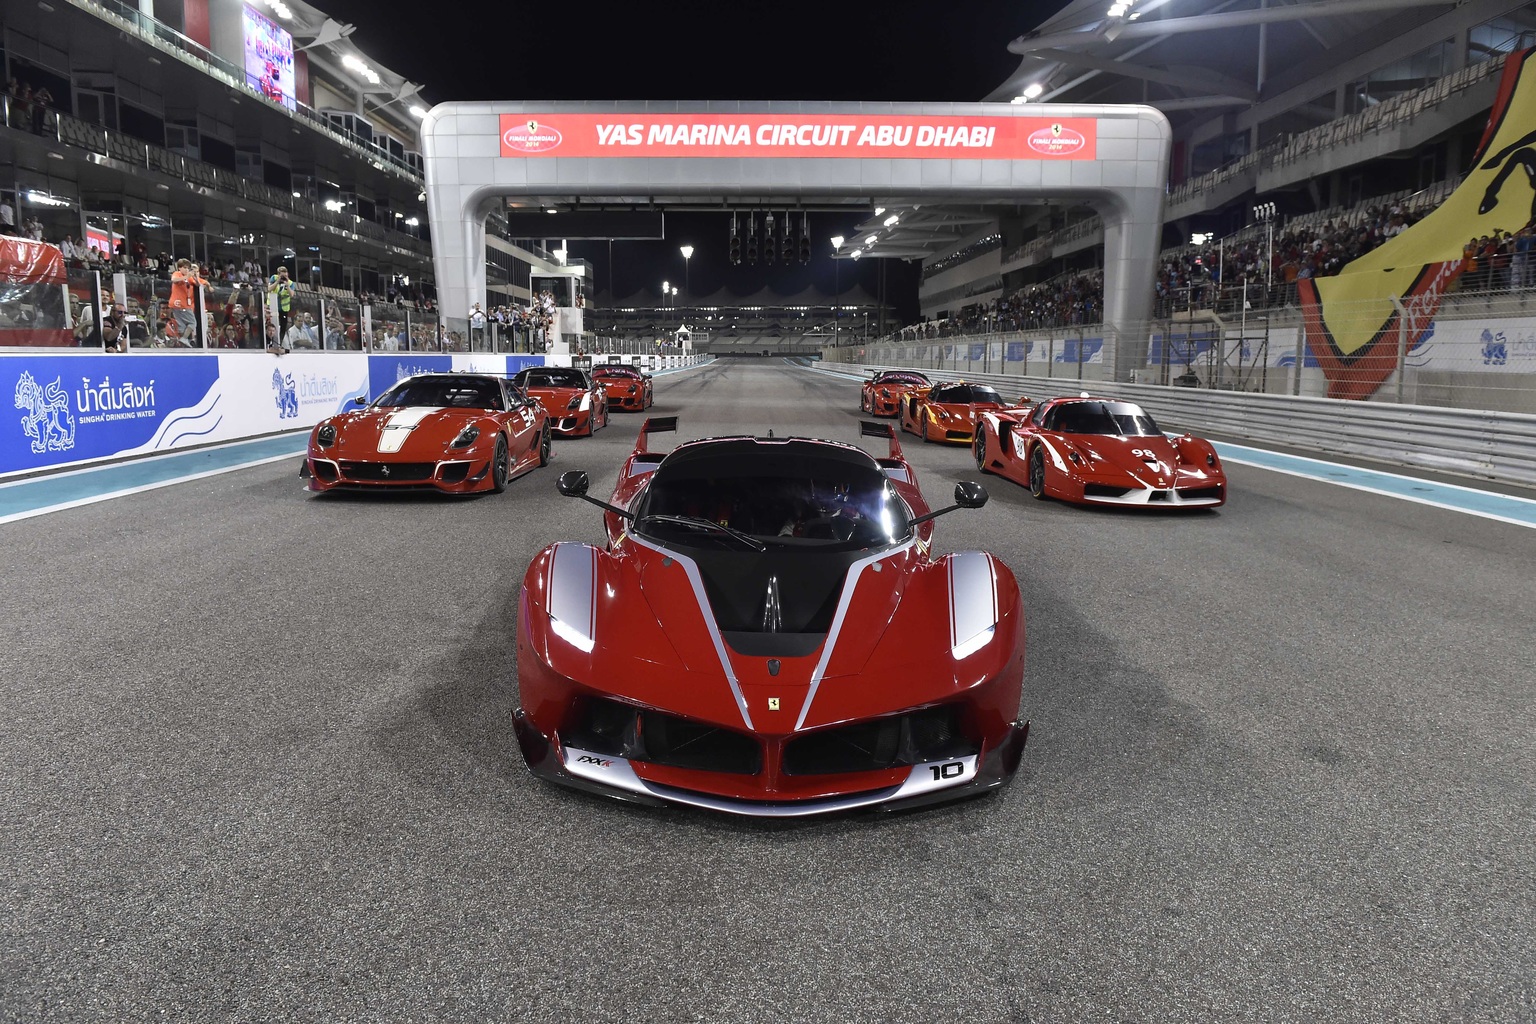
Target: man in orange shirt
point(184, 280)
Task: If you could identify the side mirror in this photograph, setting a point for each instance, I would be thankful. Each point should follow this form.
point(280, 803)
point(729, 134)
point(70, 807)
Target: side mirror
point(573, 484)
point(970, 494)
point(360, 400)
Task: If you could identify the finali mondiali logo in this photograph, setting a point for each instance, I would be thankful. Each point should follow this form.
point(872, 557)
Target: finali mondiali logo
point(530, 137)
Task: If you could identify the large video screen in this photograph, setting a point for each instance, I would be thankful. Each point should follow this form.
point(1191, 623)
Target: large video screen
point(268, 58)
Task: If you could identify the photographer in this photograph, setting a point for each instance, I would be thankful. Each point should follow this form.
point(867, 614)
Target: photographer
point(184, 279)
point(280, 286)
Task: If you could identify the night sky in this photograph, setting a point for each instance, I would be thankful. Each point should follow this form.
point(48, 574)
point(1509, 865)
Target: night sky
point(745, 49)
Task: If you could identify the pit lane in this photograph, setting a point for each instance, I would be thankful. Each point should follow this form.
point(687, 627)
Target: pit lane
point(257, 764)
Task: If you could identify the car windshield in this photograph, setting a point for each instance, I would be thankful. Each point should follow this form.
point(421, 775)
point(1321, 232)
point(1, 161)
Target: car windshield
point(442, 393)
point(964, 394)
point(783, 497)
point(615, 371)
point(551, 377)
point(901, 378)
point(1120, 419)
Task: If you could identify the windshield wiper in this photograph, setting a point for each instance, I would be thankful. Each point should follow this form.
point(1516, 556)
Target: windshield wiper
point(707, 524)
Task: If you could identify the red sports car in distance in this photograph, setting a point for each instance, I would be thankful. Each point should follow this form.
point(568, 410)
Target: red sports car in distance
point(626, 387)
point(768, 633)
point(882, 393)
point(1098, 451)
point(577, 405)
point(948, 412)
point(451, 432)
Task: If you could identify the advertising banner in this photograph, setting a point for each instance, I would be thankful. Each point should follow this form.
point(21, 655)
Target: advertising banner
point(385, 371)
point(258, 396)
point(76, 408)
point(81, 408)
point(839, 136)
point(32, 294)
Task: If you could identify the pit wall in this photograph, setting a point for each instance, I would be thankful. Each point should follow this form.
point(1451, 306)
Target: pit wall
point(80, 408)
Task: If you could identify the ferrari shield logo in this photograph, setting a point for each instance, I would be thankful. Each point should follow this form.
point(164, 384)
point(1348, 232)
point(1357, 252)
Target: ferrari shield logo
point(773, 703)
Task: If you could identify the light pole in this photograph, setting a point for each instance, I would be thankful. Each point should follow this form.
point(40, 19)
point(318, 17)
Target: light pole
point(666, 289)
point(1266, 213)
point(837, 244)
point(687, 251)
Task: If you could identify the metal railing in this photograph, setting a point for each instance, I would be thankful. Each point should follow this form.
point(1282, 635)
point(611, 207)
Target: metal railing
point(1477, 352)
point(1499, 446)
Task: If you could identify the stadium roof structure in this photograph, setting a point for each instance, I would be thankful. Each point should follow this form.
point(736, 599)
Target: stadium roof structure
point(1198, 61)
point(327, 43)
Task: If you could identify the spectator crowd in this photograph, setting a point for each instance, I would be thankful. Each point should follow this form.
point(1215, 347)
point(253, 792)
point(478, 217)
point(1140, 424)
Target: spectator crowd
point(1222, 276)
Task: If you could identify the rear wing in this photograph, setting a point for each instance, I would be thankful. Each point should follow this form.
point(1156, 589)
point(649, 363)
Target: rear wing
point(654, 425)
point(874, 428)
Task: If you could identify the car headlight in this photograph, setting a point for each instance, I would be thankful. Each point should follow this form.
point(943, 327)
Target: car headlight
point(574, 404)
point(326, 435)
point(1210, 459)
point(466, 437)
point(633, 389)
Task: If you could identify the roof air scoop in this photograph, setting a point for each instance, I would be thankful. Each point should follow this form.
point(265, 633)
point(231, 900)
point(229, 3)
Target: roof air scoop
point(773, 616)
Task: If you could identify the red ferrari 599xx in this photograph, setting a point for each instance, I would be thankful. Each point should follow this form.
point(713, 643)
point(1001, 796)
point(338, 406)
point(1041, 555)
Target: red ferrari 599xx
point(451, 432)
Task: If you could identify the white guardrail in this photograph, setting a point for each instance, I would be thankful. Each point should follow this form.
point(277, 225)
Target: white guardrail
point(1498, 446)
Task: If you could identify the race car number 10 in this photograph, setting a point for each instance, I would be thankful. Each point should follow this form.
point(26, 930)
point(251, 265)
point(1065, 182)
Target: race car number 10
point(950, 770)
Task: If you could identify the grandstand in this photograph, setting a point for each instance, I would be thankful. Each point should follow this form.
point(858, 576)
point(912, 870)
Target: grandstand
point(133, 135)
point(1305, 135)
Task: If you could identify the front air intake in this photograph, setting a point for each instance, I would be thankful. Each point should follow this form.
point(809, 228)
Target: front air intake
point(933, 734)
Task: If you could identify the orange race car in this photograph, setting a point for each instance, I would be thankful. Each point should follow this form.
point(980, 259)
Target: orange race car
point(882, 393)
point(947, 411)
point(627, 387)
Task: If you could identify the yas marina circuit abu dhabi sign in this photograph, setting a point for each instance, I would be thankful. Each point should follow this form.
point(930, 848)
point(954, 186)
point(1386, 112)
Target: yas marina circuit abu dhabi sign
point(838, 136)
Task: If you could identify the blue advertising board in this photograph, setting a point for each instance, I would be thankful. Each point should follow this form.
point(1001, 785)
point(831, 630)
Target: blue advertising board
point(78, 407)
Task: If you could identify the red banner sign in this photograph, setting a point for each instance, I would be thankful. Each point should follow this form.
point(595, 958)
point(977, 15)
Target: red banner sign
point(843, 136)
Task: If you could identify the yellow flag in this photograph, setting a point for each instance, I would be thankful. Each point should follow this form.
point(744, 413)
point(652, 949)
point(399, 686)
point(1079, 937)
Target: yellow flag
point(1353, 328)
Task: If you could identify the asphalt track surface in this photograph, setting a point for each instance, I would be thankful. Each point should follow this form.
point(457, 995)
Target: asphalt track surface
point(256, 764)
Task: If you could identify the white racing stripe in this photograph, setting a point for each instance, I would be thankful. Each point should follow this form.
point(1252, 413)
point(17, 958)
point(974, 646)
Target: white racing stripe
point(972, 600)
point(399, 425)
point(573, 594)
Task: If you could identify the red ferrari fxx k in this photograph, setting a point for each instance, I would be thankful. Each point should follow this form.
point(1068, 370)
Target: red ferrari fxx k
point(947, 412)
point(768, 633)
point(451, 432)
point(626, 387)
point(576, 404)
point(1099, 451)
point(882, 393)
